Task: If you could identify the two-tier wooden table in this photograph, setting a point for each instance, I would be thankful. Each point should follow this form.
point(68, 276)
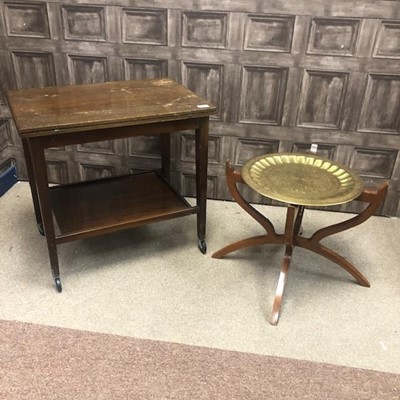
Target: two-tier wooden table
point(68, 115)
point(300, 180)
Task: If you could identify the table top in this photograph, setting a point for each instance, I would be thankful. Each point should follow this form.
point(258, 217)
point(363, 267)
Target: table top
point(302, 179)
point(110, 104)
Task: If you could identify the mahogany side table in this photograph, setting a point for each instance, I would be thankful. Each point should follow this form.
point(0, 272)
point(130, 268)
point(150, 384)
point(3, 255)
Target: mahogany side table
point(300, 180)
point(68, 115)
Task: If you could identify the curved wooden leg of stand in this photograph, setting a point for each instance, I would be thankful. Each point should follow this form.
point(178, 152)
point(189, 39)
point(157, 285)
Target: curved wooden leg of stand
point(336, 258)
point(276, 308)
point(241, 244)
point(375, 198)
point(232, 178)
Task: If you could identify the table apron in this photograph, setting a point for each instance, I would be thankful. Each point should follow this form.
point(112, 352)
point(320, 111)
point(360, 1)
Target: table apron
point(96, 135)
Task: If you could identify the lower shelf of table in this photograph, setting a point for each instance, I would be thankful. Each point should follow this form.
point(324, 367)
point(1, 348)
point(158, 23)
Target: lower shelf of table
point(92, 208)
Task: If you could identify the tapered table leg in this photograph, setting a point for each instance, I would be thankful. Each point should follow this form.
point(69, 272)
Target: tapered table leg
point(201, 181)
point(40, 175)
point(166, 155)
point(276, 308)
point(32, 184)
point(290, 226)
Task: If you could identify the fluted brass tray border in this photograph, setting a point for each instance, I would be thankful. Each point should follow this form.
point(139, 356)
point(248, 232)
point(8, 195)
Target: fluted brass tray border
point(350, 183)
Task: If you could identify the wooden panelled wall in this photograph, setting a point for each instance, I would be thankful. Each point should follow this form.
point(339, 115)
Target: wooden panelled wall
point(284, 74)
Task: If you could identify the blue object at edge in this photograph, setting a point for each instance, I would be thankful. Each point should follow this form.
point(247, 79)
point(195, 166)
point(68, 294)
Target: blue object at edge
point(7, 179)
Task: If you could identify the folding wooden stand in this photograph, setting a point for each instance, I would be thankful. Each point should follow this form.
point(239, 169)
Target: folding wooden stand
point(292, 237)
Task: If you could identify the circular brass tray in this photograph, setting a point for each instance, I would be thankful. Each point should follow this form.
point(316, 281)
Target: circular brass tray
point(302, 179)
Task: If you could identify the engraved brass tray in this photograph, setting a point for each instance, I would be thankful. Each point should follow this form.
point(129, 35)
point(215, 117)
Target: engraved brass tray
point(302, 179)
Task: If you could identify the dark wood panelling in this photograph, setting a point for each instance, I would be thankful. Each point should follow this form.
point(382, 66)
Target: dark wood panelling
point(87, 69)
point(269, 33)
point(343, 8)
point(143, 163)
point(206, 80)
point(105, 147)
point(200, 29)
point(373, 163)
point(57, 171)
point(262, 94)
point(381, 104)
point(283, 75)
point(322, 99)
point(4, 134)
point(6, 159)
point(323, 150)
point(387, 43)
point(91, 172)
point(145, 69)
point(148, 146)
point(84, 23)
point(144, 26)
point(330, 36)
point(27, 19)
point(33, 69)
point(188, 185)
point(14, 139)
point(187, 150)
point(247, 149)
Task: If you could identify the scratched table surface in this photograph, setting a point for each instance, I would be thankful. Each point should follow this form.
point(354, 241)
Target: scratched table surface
point(71, 108)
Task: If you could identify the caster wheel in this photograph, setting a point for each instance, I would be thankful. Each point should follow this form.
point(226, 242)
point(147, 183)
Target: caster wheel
point(202, 246)
point(41, 229)
point(58, 285)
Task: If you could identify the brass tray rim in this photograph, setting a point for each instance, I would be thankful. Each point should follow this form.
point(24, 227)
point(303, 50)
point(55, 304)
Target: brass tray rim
point(354, 193)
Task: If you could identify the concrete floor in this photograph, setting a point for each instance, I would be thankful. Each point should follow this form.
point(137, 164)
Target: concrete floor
point(152, 282)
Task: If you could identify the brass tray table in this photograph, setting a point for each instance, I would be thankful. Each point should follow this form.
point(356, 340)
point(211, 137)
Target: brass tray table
point(300, 180)
point(69, 115)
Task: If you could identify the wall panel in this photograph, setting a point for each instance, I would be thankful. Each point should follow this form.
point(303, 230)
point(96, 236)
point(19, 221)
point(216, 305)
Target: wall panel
point(262, 94)
point(87, 69)
point(283, 75)
point(145, 69)
point(322, 98)
point(27, 19)
point(329, 36)
point(84, 23)
point(381, 104)
point(200, 29)
point(205, 80)
point(144, 26)
point(33, 69)
point(269, 33)
point(387, 43)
